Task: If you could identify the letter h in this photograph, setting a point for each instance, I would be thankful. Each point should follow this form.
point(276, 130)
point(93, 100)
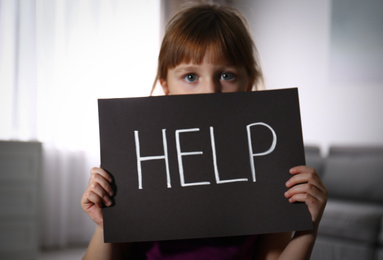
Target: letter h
point(148, 158)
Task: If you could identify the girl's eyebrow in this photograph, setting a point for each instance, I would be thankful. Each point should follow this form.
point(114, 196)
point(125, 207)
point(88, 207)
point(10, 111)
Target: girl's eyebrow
point(190, 67)
point(183, 68)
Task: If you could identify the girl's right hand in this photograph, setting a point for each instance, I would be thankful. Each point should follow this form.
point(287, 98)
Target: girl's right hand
point(98, 192)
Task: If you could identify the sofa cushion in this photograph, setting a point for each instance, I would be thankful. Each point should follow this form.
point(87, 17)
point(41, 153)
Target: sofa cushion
point(351, 220)
point(355, 173)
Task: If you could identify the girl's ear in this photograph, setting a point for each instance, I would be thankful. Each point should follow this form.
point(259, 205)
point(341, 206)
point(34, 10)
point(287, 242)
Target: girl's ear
point(164, 85)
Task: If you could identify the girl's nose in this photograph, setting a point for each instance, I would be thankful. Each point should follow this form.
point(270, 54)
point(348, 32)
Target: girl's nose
point(212, 86)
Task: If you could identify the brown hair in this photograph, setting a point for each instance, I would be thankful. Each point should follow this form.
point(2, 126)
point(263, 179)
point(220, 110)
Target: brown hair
point(219, 29)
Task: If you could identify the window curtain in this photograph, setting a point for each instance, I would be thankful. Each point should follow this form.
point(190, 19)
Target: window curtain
point(57, 57)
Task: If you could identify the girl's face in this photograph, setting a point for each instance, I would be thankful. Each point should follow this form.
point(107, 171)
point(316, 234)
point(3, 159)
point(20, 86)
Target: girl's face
point(208, 77)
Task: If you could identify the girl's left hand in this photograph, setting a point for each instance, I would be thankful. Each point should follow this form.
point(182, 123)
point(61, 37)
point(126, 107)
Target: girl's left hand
point(306, 186)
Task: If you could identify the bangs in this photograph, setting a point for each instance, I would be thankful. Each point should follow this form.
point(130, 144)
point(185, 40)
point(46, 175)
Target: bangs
point(218, 33)
point(192, 46)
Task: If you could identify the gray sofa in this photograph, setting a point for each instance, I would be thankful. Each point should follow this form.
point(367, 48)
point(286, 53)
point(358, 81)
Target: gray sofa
point(352, 224)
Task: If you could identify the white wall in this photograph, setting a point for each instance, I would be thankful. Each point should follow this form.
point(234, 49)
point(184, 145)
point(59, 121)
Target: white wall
point(293, 39)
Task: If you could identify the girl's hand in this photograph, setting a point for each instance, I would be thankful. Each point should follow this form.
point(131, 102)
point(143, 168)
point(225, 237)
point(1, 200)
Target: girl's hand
point(306, 186)
point(97, 193)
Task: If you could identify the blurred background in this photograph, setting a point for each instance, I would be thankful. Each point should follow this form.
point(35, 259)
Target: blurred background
point(58, 57)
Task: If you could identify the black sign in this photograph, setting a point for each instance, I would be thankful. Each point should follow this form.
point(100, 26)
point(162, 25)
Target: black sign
point(206, 165)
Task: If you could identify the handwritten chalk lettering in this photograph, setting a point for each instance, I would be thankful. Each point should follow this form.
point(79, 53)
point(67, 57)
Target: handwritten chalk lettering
point(216, 173)
point(270, 150)
point(181, 154)
point(147, 158)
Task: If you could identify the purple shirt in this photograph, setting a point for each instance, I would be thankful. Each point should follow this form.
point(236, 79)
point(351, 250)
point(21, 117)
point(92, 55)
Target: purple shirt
point(241, 247)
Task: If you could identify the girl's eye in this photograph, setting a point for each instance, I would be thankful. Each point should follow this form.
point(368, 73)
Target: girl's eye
point(227, 76)
point(191, 77)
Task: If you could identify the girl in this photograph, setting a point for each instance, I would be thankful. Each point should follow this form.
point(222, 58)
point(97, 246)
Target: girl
point(208, 49)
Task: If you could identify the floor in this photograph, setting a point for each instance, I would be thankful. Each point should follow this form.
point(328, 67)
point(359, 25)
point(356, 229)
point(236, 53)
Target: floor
point(63, 254)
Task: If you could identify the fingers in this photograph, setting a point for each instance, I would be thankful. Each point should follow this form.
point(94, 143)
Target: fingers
point(305, 174)
point(91, 203)
point(100, 181)
point(98, 196)
point(99, 190)
point(90, 199)
point(98, 193)
point(306, 186)
point(303, 192)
